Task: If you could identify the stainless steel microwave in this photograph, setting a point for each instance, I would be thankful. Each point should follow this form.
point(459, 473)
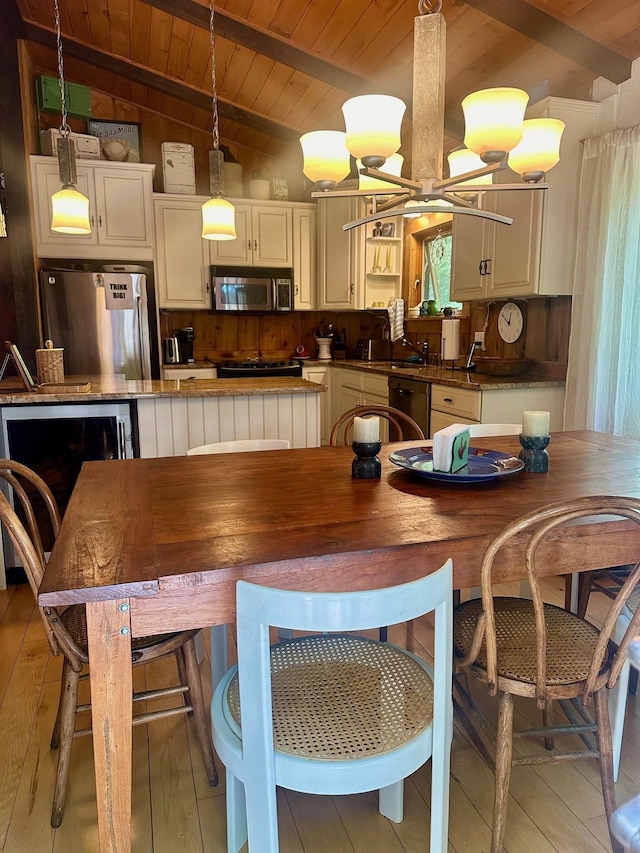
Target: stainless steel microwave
point(252, 289)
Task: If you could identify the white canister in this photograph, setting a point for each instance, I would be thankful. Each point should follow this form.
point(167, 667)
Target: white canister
point(259, 187)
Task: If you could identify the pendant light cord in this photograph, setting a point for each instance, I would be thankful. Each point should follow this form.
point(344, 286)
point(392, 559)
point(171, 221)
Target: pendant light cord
point(214, 98)
point(65, 130)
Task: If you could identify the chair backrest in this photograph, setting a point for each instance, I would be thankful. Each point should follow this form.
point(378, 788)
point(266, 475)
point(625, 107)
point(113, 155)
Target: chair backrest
point(258, 607)
point(240, 446)
point(536, 527)
point(480, 430)
point(28, 487)
point(397, 419)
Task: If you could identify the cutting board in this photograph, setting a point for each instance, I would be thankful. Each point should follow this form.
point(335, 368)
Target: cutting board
point(63, 387)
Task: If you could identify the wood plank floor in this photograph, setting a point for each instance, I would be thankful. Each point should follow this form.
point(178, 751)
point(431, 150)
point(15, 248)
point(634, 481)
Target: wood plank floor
point(552, 808)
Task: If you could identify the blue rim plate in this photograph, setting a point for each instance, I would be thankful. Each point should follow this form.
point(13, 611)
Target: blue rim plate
point(483, 465)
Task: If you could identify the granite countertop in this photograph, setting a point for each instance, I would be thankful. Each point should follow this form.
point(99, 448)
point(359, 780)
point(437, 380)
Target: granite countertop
point(454, 378)
point(118, 388)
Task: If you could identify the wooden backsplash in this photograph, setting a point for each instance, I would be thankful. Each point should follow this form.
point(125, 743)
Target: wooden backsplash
point(275, 336)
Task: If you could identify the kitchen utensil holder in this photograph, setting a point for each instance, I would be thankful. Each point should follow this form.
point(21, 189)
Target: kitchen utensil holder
point(366, 465)
point(49, 364)
point(534, 454)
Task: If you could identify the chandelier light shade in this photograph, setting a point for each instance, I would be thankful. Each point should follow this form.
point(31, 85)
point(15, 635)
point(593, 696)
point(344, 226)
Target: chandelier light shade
point(326, 159)
point(70, 211)
point(218, 220)
point(412, 203)
point(373, 127)
point(392, 166)
point(493, 121)
point(69, 208)
point(461, 161)
point(539, 149)
point(218, 214)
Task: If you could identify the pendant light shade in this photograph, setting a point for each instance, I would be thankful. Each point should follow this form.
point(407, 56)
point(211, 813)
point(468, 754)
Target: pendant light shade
point(539, 149)
point(373, 127)
point(462, 161)
point(412, 203)
point(69, 208)
point(326, 159)
point(392, 165)
point(70, 211)
point(493, 121)
point(218, 220)
point(218, 214)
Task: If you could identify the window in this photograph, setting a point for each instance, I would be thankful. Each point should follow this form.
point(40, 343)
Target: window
point(436, 268)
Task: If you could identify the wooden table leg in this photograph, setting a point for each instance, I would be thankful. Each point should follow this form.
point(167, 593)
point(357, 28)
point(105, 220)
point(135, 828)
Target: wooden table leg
point(109, 636)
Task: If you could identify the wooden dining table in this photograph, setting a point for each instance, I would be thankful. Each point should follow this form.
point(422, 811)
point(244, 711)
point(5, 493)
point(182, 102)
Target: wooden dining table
point(154, 545)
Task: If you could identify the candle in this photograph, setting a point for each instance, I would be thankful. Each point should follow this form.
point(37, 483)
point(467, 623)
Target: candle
point(366, 430)
point(535, 423)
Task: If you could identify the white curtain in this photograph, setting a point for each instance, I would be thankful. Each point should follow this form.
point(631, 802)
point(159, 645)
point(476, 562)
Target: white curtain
point(603, 376)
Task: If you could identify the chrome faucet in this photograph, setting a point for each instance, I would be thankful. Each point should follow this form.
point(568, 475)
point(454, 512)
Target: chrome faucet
point(423, 353)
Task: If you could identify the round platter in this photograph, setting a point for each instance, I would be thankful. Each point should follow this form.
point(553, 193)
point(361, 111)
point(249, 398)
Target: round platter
point(483, 465)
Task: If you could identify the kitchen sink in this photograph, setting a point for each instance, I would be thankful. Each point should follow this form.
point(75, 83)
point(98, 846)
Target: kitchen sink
point(406, 365)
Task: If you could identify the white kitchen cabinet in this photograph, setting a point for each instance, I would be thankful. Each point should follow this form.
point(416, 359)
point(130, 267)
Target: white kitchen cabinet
point(535, 255)
point(182, 256)
point(189, 373)
point(357, 388)
point(355, 268)
point(318, 373)
point(265, 236)
point(451, 405)
point(120, 210)
point(304, 256)
point(340, 254)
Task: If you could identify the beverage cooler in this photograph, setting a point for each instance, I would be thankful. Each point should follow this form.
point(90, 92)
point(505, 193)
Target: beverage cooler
point(54, 441)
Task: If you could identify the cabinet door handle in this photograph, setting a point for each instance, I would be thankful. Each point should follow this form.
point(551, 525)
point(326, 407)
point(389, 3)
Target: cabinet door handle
point(99, 221)
point(255, 245)
point(352, 288)
point(93, 221)
point(206, 286)
point(448, 399)
point(249, 245)
point(404, 393)
point(297, 290)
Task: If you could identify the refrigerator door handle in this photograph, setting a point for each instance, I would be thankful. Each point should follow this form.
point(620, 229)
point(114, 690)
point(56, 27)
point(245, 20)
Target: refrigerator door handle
point(122, 438)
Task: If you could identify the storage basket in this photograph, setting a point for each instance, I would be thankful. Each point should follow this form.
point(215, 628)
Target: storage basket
point(49, 364)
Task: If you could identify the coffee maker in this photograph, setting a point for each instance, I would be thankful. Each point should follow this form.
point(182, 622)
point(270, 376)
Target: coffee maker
point(185, 344)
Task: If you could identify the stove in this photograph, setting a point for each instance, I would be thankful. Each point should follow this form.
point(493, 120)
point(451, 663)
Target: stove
point(255, 367)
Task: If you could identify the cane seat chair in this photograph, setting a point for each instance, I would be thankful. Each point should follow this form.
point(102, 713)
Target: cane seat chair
point(333, 713)
point(401, 426)
point(531, 649)
point(66, 630)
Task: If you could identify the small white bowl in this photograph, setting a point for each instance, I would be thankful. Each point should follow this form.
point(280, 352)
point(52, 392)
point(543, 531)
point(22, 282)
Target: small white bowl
point(412, 313)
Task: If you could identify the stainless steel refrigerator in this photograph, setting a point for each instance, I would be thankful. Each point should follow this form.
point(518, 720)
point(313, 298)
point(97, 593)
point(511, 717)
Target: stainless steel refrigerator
point(104, 319)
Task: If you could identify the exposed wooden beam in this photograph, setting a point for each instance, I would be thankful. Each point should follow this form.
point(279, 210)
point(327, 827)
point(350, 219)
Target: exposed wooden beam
point(160, 82)
point(558, 36)
point(269, 44)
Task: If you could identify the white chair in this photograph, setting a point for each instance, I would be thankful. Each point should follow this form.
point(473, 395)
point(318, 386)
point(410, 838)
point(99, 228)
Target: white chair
point(240, 446)
point(333, 714)
point(482, 430)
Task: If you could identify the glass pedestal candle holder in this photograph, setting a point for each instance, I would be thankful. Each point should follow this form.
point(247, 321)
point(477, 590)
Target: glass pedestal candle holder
point(366, 465)
point(534, 453)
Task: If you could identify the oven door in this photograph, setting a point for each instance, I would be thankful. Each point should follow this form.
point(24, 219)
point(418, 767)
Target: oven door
point(242, 293)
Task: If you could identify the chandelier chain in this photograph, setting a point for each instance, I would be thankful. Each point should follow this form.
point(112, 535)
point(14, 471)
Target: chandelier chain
point(429, 7)
point(65, 130)
point(214, 97)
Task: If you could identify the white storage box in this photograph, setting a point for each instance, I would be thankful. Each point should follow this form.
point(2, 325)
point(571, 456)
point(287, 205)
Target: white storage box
point(178, 168)
point(87, 147)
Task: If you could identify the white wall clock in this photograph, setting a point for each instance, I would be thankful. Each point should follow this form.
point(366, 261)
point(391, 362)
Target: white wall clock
point(510, 322)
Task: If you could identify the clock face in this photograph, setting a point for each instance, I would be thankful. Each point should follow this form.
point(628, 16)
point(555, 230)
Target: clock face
point(510, 322)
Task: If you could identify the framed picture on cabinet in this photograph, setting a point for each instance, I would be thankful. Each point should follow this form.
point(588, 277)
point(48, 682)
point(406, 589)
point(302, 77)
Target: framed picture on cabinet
point(280, 189)
point(119, 140)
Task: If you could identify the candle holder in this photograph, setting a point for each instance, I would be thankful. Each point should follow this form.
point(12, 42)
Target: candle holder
point(534, 454)
point(366, 465)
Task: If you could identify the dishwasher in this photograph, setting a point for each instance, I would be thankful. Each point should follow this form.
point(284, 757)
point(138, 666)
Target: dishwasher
point(411, 397)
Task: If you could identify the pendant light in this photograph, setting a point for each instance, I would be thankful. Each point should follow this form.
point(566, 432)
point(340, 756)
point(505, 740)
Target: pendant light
point(69, 208)
point(218, 214)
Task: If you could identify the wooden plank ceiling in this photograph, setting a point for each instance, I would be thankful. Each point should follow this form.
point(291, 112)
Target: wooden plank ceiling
point(284, 67)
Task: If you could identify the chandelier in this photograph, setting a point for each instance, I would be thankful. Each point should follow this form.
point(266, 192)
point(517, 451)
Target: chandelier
point(69, 208)
point(496, 136)
point(218, 214)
